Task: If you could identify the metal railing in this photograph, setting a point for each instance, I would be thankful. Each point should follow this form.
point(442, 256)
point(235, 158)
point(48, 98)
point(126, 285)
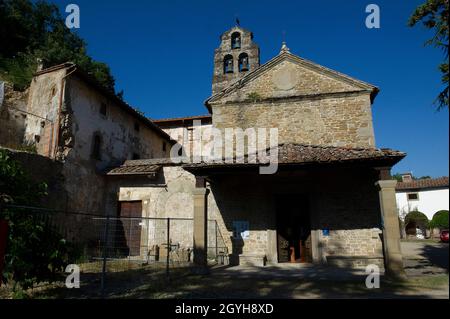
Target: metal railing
point(110, 244)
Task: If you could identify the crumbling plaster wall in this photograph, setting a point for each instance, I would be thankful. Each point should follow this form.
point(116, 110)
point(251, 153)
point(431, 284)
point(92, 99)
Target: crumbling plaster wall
point(45, 99)
point(67, 114)
point(169, 196)
point(81, 119)
point(120, 140)
point(189, 138)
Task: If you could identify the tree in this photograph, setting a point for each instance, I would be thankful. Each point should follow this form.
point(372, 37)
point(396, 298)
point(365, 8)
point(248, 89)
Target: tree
point(440, 220)
point(419, 218)
point(397, 177)
point(35, 251)
point(434, 15)
point(35, 29)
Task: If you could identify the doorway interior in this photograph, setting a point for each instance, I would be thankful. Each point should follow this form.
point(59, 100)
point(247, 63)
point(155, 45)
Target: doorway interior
point(293, 228)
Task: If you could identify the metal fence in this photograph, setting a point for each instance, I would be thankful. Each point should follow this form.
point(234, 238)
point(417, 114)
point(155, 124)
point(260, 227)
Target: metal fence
point(110, 244)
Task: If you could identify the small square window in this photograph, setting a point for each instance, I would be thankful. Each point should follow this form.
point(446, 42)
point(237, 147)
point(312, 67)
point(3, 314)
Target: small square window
point(136, 156)
point(136, 126)
point(413, 196)
point(103, 109)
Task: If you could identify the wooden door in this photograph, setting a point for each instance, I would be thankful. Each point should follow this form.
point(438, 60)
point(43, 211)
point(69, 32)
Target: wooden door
point(129, 225)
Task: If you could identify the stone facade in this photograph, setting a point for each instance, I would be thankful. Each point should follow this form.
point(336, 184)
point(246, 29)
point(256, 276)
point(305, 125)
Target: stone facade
point(310, 107)
point(65, 111)
point(186, 136)
point(343, 201)
point(307, 103)
point(236, 44)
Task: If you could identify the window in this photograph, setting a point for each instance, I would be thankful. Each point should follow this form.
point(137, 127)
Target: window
point(243, 62)
point(96, 146)
point(136, 126)
point(413, 196)
point(236, 40)
point(164, 146)
point(53, 91)
point(103, 109)
point(136, 156)
point(190, 131)
point(228, 64)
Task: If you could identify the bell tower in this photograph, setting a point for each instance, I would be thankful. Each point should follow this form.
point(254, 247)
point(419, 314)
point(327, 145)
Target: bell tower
point(236, 56)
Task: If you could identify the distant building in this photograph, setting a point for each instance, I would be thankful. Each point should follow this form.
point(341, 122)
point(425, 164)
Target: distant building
point(427, 196)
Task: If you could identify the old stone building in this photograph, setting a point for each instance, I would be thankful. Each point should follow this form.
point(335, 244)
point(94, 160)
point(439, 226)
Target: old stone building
point(331, 199)
point(71, 119)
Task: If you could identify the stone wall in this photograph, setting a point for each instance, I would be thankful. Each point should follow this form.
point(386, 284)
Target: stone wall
point(305, 105)
point(13, 117)
point(343, 201)
point(222, 80)
point(42, 169)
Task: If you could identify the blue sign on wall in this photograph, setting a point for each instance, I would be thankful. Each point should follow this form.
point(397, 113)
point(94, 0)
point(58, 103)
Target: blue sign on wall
point(326, 232)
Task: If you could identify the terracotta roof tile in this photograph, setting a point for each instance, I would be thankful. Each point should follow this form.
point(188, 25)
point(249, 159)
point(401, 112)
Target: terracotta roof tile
point(439, 182)
point(186, 118)
point(151, 170)
point(303, 153)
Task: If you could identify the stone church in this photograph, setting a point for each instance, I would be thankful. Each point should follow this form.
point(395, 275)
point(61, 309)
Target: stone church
point(330, 201)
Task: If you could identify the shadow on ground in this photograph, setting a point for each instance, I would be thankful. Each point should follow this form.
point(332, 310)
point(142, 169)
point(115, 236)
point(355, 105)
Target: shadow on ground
point(246, 282)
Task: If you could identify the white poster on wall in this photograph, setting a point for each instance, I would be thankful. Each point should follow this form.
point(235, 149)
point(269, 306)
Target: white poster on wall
point(241, 229)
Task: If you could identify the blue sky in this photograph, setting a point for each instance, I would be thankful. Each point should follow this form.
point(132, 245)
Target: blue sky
point(161, 54)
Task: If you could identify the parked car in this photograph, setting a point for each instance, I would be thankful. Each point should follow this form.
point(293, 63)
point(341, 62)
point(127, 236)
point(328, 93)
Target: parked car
point(444, 236)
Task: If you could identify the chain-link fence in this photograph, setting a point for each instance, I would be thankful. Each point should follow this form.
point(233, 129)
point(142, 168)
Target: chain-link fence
point(105, 245)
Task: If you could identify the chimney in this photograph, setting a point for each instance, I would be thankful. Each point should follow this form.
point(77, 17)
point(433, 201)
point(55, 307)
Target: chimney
point(407, 177)
point(40, 64)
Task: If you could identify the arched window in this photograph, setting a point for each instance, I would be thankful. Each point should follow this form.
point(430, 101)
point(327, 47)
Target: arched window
point(243, 62)
point(236, 40)
point(228, 64)
point(96, 146)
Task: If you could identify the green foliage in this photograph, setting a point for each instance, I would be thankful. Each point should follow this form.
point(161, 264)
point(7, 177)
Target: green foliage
point(28, 147)
point(434, 16)
point(440, 220)
point(35, 29)
point(35, 250)
point(420, 218)
point(254, 97)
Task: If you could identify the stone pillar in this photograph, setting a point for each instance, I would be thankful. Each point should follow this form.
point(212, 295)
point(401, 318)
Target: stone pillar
point(315, 246)
point(200, 227)
point(391, 231)
point(272, 253)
